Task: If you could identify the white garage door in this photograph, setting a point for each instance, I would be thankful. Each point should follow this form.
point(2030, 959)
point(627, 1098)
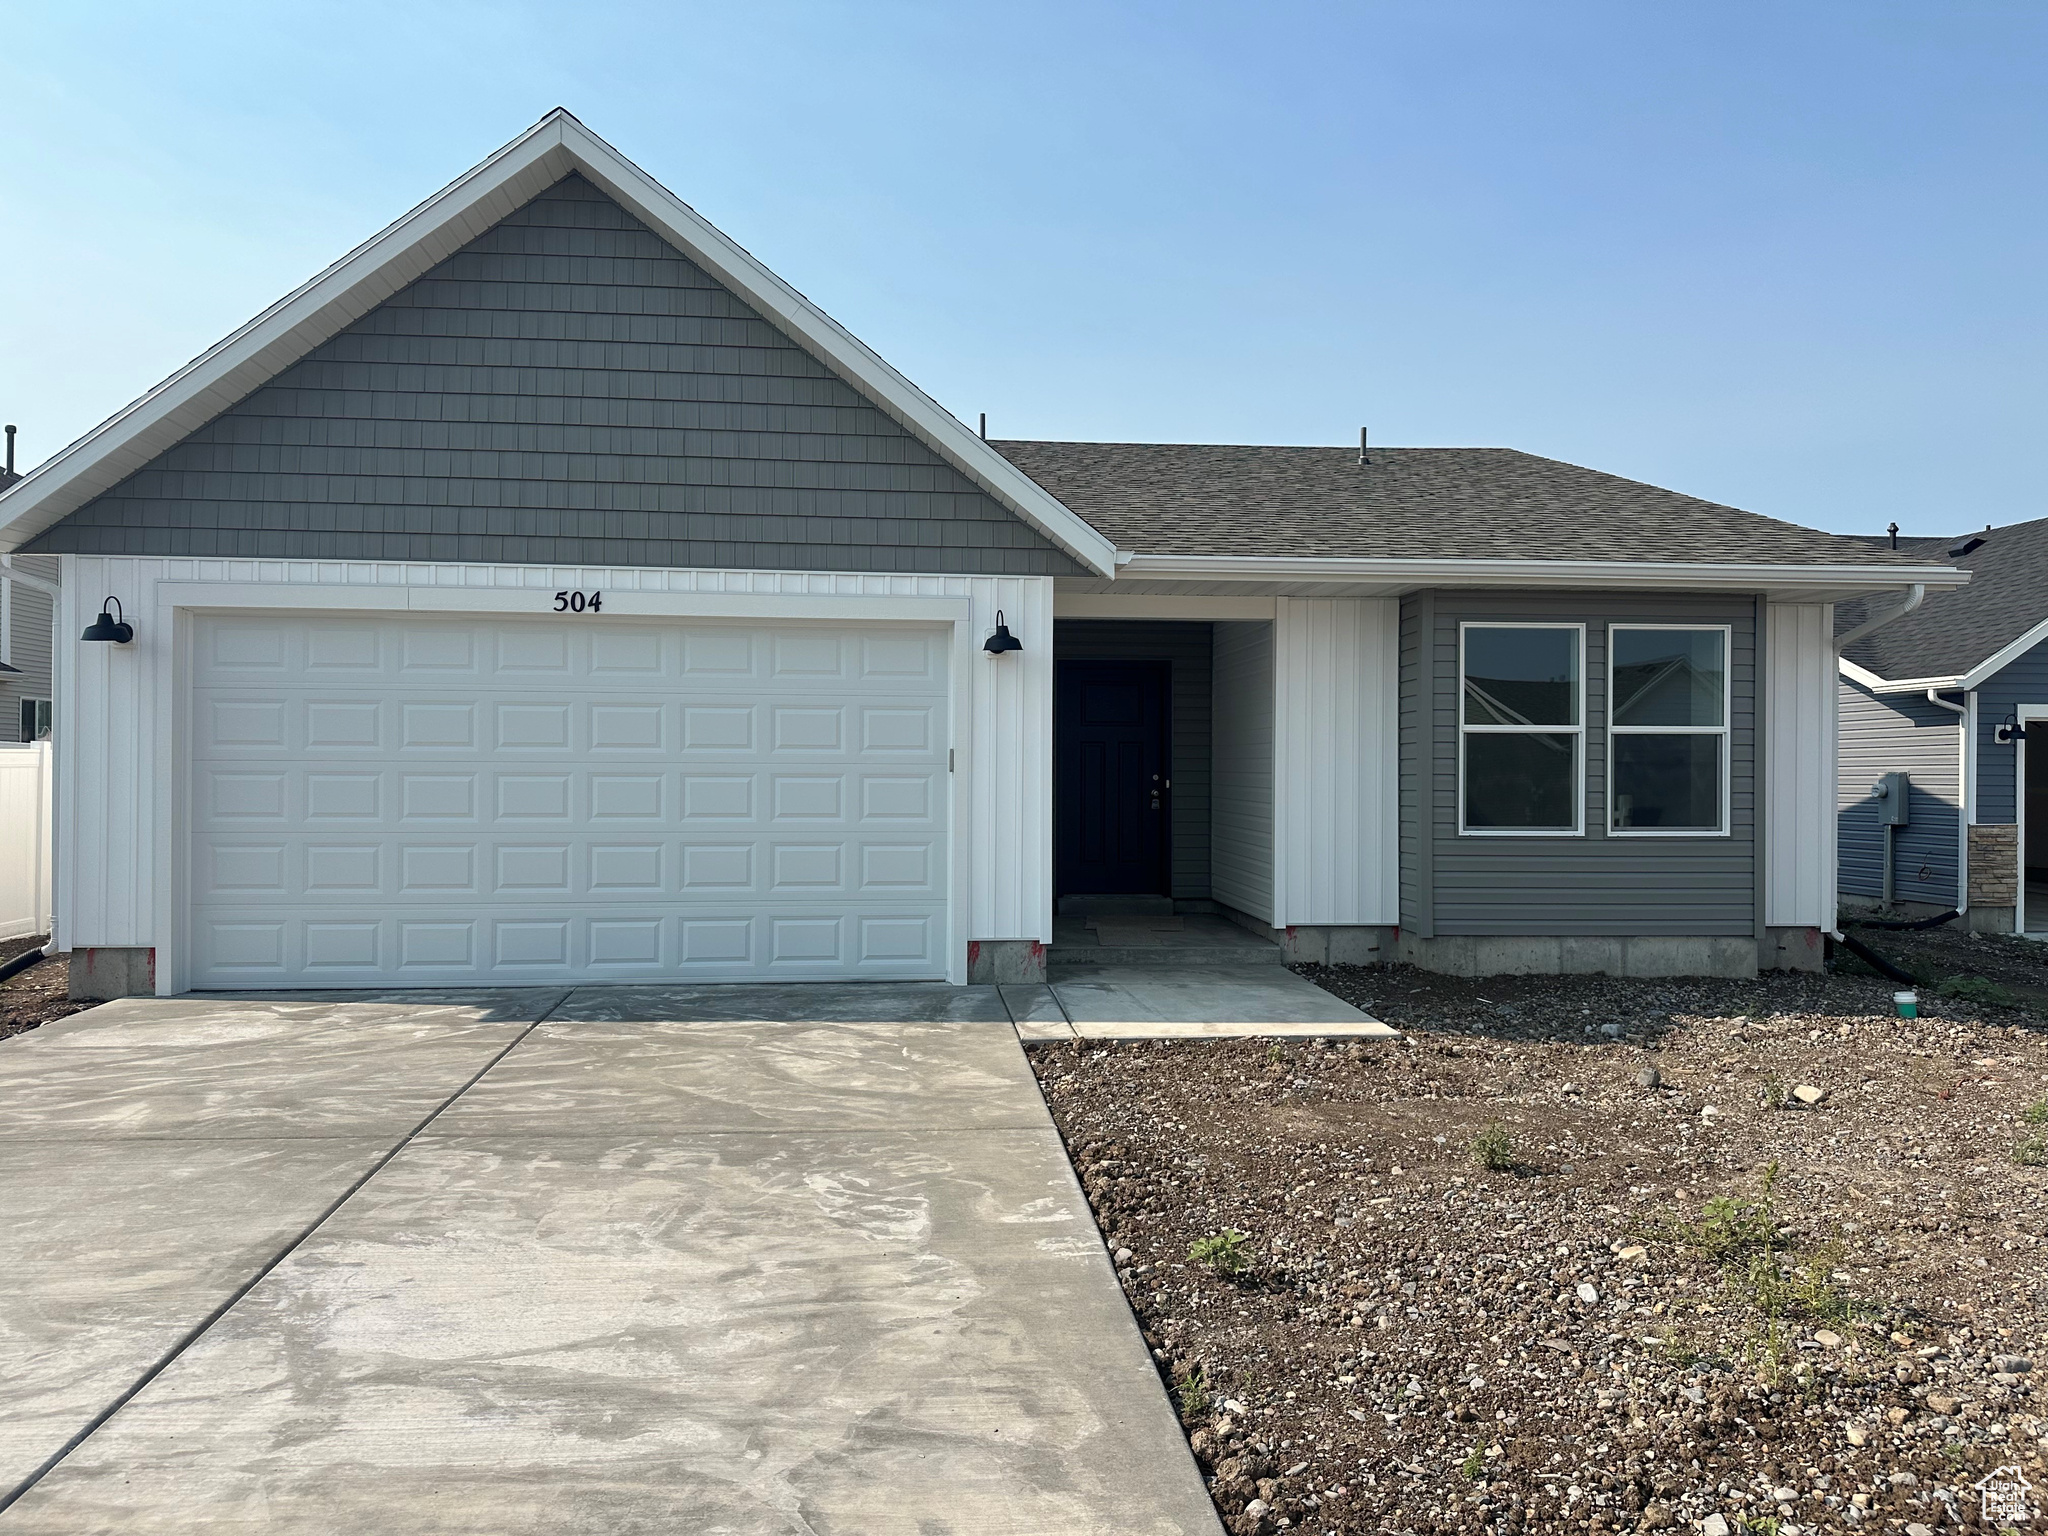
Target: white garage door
point(427, 802)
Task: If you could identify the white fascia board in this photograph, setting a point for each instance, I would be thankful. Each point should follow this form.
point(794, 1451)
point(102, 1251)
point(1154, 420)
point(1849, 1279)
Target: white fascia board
point(2003, 657)
point(1877, 684)
point(1659, 575)
point(373, 271)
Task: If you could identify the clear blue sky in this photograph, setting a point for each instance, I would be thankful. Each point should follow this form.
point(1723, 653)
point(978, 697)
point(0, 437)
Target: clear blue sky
point(1793, 257)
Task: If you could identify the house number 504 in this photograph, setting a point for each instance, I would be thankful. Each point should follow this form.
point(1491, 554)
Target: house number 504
point(579, 602)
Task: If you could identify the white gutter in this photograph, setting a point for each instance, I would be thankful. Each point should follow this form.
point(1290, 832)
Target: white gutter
point(1692, 576)
point(14, 572)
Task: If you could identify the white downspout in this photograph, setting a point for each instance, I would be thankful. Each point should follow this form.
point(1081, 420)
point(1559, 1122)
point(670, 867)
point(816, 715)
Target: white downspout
point(1914, 598)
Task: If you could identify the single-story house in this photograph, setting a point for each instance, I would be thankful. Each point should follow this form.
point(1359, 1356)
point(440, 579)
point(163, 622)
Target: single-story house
point(1948, 698)
point(547, 591)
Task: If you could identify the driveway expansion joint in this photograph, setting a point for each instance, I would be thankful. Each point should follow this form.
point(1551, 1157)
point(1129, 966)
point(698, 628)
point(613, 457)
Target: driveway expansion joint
point(193, 1335)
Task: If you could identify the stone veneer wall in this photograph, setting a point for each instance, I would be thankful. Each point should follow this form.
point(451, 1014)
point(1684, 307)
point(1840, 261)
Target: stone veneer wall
point(1995, 865)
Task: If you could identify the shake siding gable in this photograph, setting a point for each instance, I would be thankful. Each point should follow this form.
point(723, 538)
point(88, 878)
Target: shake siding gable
point(567, 388)
point(1591, 885)
point(1899, 733)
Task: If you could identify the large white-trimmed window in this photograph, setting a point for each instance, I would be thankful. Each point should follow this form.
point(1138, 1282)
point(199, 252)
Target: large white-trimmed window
point(1667, 730)
point(1521, 729)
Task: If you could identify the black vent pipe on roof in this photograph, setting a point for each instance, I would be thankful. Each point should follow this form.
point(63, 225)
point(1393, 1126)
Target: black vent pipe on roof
point(1893, 530)
point(1363, 456)
point(10, 451)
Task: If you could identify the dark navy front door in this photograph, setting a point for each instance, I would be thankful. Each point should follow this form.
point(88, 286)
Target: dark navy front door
point(1110, 787)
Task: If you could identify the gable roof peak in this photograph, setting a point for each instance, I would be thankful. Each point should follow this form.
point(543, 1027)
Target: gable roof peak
point(556, 146)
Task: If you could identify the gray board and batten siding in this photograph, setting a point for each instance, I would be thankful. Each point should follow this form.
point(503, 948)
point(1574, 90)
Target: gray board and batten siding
point(2021, 684)
point(567, 389)
point(1591, 885)
point(1185, 648)
point(1899, 733)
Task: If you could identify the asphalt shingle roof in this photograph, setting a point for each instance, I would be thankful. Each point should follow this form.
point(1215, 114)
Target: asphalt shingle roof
point(1408, 503)
point(1952, 631)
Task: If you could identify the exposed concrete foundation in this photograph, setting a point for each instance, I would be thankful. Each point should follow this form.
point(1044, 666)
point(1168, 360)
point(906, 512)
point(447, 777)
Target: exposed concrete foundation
point(1486, 955)
point(1321, 943)
point(1991, 919)
point(100, 975)
point(992, 962)
point(1792, 949)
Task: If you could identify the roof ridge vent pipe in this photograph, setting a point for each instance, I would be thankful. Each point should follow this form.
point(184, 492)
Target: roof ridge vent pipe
point(1893, 530)
point(1364, 457)
point(10, 450)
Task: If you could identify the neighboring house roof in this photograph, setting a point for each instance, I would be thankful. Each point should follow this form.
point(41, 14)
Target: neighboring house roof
point(1956, 633)
point(1408, 503)
point(554, 148)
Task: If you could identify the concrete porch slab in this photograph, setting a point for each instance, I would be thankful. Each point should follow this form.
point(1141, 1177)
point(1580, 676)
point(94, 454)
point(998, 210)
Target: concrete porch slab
point(1139, 1003)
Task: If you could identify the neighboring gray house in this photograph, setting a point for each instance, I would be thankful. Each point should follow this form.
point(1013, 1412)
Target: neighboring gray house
point(28, 611)
point(546, 591)
point(1945, 695)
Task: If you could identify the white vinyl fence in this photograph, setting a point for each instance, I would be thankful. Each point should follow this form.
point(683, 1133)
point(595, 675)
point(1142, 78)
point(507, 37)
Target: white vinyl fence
point(24, 840)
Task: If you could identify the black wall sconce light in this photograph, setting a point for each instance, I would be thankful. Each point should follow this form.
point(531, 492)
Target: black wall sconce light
point(1002, 642)
point(108, 627)
point(2009, 731)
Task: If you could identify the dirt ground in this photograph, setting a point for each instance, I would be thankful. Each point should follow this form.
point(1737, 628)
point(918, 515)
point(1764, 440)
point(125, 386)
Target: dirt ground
point(1678, 1294)
point(36, 996)
point(1995, 968)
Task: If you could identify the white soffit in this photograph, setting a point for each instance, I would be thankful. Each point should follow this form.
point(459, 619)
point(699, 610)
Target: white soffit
point(558, 144)
point(1783, 583)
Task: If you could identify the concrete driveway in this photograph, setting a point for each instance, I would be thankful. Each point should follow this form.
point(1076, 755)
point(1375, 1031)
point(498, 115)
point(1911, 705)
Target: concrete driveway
point(635, 1259)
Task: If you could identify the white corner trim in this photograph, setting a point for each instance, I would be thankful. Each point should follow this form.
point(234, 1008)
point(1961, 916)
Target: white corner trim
point(1640, 575)
point(558, 144)
point(2004, 657)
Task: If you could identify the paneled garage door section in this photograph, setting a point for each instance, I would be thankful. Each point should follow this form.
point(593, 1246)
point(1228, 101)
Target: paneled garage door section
point(381, 801)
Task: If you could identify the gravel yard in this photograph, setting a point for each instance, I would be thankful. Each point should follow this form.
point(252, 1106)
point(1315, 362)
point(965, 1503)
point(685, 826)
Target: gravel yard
point(37, 995)
point(1577, 1255)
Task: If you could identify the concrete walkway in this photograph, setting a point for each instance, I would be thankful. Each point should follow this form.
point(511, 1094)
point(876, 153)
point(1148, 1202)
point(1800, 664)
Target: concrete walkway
point(1127, 1002)
point(766, 1259)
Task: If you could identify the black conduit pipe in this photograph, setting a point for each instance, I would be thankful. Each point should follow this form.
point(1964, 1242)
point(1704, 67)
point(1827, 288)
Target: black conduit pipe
point(1875, 961)
point(1901, 926)
point(20, 963)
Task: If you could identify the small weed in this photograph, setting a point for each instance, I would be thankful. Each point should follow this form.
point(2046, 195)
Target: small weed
point(1756, 1525)
point(1475, 1464)
point(1776, 1095)
point(1978, 989)
point(1193, 1391)
point(1222, 1251)
point(1731, 1230)
point(2032, 1153)
point(2036, 1113)
point(1494, 1148)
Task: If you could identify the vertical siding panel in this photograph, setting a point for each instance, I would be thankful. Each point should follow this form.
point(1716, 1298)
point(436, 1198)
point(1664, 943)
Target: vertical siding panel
point(1799, 700)
point(1336, 732)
